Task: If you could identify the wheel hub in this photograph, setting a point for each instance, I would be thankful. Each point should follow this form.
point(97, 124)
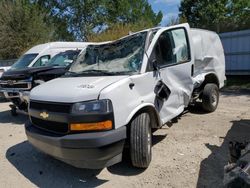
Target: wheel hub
point(214, 98)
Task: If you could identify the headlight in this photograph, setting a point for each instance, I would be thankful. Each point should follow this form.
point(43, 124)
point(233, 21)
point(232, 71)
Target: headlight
point(98, 106)
point(92, 107)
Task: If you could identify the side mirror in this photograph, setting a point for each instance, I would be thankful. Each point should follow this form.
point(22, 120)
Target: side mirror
point(155, 65)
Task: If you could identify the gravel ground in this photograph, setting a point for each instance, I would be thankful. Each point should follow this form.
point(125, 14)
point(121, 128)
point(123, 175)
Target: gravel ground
point(190, 152)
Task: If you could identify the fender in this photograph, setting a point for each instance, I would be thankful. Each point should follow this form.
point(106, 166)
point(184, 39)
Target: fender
point(202, 78)
point(211, 76)
point(138, 108)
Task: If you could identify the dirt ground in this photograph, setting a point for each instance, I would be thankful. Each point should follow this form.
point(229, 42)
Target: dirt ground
point(188, 153)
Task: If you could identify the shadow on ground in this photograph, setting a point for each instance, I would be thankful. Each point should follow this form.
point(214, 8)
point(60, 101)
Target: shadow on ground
point(212, 168)
point(45, 171)
point(6, 117)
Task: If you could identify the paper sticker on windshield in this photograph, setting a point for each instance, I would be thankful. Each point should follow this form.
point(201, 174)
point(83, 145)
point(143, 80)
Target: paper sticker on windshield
point(68, 61)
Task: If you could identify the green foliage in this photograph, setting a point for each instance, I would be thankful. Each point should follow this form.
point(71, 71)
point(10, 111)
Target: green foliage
point(80, 16)
point(25, 23)
point(217, 15)
point(132, 11)
point(21, 27)
point(117, 31)
point(87, 17)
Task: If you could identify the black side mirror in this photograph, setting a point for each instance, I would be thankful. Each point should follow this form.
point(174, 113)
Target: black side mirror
point(155, 65)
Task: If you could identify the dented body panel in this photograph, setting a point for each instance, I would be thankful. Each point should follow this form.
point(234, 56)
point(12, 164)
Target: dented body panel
point(209, 56)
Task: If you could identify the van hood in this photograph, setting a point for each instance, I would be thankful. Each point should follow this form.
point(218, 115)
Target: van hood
point(71, 90)
point(26, 73)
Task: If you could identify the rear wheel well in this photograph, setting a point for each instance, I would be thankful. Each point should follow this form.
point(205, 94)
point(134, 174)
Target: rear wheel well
point(209, 79)
point(212, 79)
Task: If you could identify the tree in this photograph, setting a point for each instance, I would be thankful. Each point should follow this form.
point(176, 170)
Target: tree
point(132, 11)
point(219, 16)
point(123, 16)
point(87, 17)
point(117, 31)
point(81, 16)
point(21, 27)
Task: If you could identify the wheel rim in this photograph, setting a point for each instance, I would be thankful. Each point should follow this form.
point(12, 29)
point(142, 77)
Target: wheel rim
point(214, 98)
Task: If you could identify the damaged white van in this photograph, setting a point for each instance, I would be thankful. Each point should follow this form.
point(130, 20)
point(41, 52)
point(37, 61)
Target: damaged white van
point(116, 92)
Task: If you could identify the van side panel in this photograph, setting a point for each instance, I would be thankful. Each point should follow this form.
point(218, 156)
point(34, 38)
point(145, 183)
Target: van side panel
point(208, 54)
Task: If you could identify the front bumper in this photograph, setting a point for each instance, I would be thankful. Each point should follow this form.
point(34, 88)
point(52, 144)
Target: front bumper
point(2, 95)
point(16, 94)
point(84, 150)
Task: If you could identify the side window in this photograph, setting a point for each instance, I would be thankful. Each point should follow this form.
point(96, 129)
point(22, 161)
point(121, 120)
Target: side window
point(180, 50)
point(42, 61)
point(172, 48)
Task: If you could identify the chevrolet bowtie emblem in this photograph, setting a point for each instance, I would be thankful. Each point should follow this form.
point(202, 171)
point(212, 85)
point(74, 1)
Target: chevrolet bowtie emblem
point(10, 82)
point(44, 115)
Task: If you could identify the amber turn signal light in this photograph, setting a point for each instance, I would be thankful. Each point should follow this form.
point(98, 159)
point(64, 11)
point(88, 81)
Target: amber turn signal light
point(104, 125)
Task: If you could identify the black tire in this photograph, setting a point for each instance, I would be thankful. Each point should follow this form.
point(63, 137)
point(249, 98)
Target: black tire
point(141, 141)
point(210, 97)
point(13, 112)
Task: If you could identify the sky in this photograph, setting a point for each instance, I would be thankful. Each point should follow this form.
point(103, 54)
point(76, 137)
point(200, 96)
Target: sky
point(169, 9)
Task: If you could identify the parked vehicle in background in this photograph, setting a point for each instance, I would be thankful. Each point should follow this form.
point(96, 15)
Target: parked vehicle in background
point(116, 93)
point(17, 82)
point(236, 172)
point(2, 70)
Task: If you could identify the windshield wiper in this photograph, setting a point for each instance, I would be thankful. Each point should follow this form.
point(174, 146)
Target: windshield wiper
point(124, 72)
point(69, 73)
point(94, 71)
point(97, 71)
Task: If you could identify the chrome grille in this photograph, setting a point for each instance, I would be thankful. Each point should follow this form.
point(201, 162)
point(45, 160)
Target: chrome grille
point(12, 84)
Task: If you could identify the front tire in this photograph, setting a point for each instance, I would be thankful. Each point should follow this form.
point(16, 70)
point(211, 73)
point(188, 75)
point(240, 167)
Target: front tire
point(141, 141)
point(13, 111)
point(210, 97)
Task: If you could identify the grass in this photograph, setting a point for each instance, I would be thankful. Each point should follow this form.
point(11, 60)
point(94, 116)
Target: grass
point(238, 82)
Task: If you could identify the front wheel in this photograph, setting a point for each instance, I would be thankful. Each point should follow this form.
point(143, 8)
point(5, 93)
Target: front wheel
point(13, 112)
point(141, 141)
point(210, 97)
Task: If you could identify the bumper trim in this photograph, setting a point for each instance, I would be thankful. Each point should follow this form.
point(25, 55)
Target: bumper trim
point(22, 95)
point(81, 140)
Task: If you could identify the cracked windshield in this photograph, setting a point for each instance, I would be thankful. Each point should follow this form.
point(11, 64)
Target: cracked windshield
point(118, 57)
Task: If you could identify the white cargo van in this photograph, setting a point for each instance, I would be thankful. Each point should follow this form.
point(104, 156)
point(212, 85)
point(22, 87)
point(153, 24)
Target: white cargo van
point(17, 82)
point(39, 55)
point(116, 93)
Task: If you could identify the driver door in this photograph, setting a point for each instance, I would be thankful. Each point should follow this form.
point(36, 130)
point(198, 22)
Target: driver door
point(170, 51)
